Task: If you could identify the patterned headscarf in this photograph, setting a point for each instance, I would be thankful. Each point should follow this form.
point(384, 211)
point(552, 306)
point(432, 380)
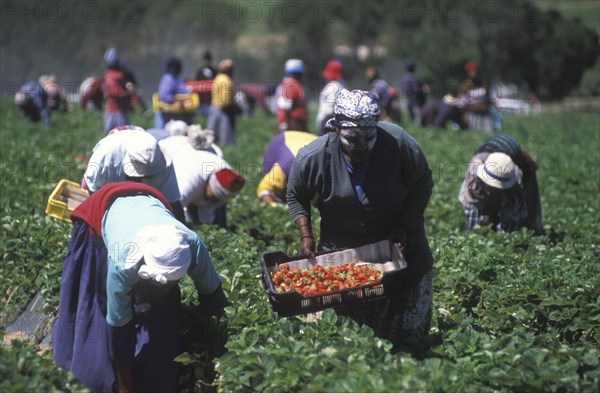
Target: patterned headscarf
point(356, 108)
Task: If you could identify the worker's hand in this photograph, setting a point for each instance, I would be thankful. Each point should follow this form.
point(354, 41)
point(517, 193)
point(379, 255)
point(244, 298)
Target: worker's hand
point(213, 303)
point(268, 198)
point(485, 220)
point(307, 246)
point(398, 236)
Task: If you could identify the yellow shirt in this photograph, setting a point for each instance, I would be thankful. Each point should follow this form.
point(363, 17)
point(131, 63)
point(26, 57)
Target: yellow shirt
point(223, 91)
point(281, 152)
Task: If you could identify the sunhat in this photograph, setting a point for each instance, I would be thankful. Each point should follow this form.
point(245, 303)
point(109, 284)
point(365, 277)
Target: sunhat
point(166, 253)
point(144, 157)
point(294, 66)
point(498, 171)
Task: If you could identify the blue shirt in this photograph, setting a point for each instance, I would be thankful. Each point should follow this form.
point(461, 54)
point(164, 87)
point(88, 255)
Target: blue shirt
point(125, 217)
point(36, 94)
point(169, 86)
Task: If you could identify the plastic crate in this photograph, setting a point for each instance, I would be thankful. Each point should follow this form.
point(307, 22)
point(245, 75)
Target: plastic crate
point(383, 255)
point(67, 195)
point(191, 103)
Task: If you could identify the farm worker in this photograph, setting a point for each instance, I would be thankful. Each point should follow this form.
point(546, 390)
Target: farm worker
point(414, 91)
point(500, 187)
point(290, 101)
point(169, 86)
point(222, 111)
point(90, 94)
point(371, 182)
point(57, 97)
point(379, 87)
point(206, 71)
point(130, 153)
point(126, 240)
point(474, 97)
point(333, 75)
point(251, 94)
point(118, 92)
point(438, 113)
point(205, 180)
point(277, 162)
point(32, 100)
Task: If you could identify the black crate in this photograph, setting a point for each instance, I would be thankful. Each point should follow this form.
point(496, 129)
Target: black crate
point(382, 255)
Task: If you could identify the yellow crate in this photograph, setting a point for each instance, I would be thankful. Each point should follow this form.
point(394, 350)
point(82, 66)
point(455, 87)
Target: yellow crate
point(67, 195)
point(191, 103)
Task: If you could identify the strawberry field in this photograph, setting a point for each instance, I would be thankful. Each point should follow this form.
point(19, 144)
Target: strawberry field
point(512, 312)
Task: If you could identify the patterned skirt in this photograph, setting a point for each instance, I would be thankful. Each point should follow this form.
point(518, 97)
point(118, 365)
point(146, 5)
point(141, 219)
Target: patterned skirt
point(402, 317)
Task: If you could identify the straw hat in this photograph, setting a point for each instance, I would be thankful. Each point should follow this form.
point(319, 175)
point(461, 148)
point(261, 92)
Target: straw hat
point(498, 171)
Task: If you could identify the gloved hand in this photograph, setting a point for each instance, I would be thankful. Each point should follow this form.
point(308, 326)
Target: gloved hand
point(398, 236)
point(213, 303)
point(308, 246)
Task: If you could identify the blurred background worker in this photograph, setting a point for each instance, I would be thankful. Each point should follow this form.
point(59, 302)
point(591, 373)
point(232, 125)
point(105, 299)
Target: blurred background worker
point(292, 113)
point(371, 182)
point(414, 91)
point(32, 100)
point(335, 83)
point(57, 96)
point(223, 110)
point(169, 86)
point(277, 162)
point(90, 94)
point(500, 188)
point(118, 93)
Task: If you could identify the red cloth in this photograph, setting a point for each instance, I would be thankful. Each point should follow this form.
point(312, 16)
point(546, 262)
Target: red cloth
point(93, 208)
point(118, 98)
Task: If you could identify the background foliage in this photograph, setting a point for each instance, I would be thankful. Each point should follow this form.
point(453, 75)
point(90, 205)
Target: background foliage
point(512, 312)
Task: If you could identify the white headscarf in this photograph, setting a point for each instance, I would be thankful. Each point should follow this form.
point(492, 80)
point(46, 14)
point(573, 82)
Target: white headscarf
point(166, 253)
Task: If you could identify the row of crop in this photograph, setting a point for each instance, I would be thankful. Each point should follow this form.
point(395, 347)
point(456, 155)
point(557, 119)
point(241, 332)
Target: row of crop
point(511, 312)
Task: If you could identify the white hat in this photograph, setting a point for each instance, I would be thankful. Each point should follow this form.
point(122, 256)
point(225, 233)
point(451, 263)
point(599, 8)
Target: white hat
point(166, 253)
point(294, 66)
point(498, 171)
point(200, 139)
point(20, 98)
point(143, 157)
point(176, 127)
point(126, 127)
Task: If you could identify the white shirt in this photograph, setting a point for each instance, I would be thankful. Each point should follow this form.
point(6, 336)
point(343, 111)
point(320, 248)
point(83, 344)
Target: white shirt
point(193, 169)
point(106, 165)
point(327, 100)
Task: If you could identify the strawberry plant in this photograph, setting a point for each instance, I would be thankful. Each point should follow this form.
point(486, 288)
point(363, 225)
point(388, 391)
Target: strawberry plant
point(512, 312)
